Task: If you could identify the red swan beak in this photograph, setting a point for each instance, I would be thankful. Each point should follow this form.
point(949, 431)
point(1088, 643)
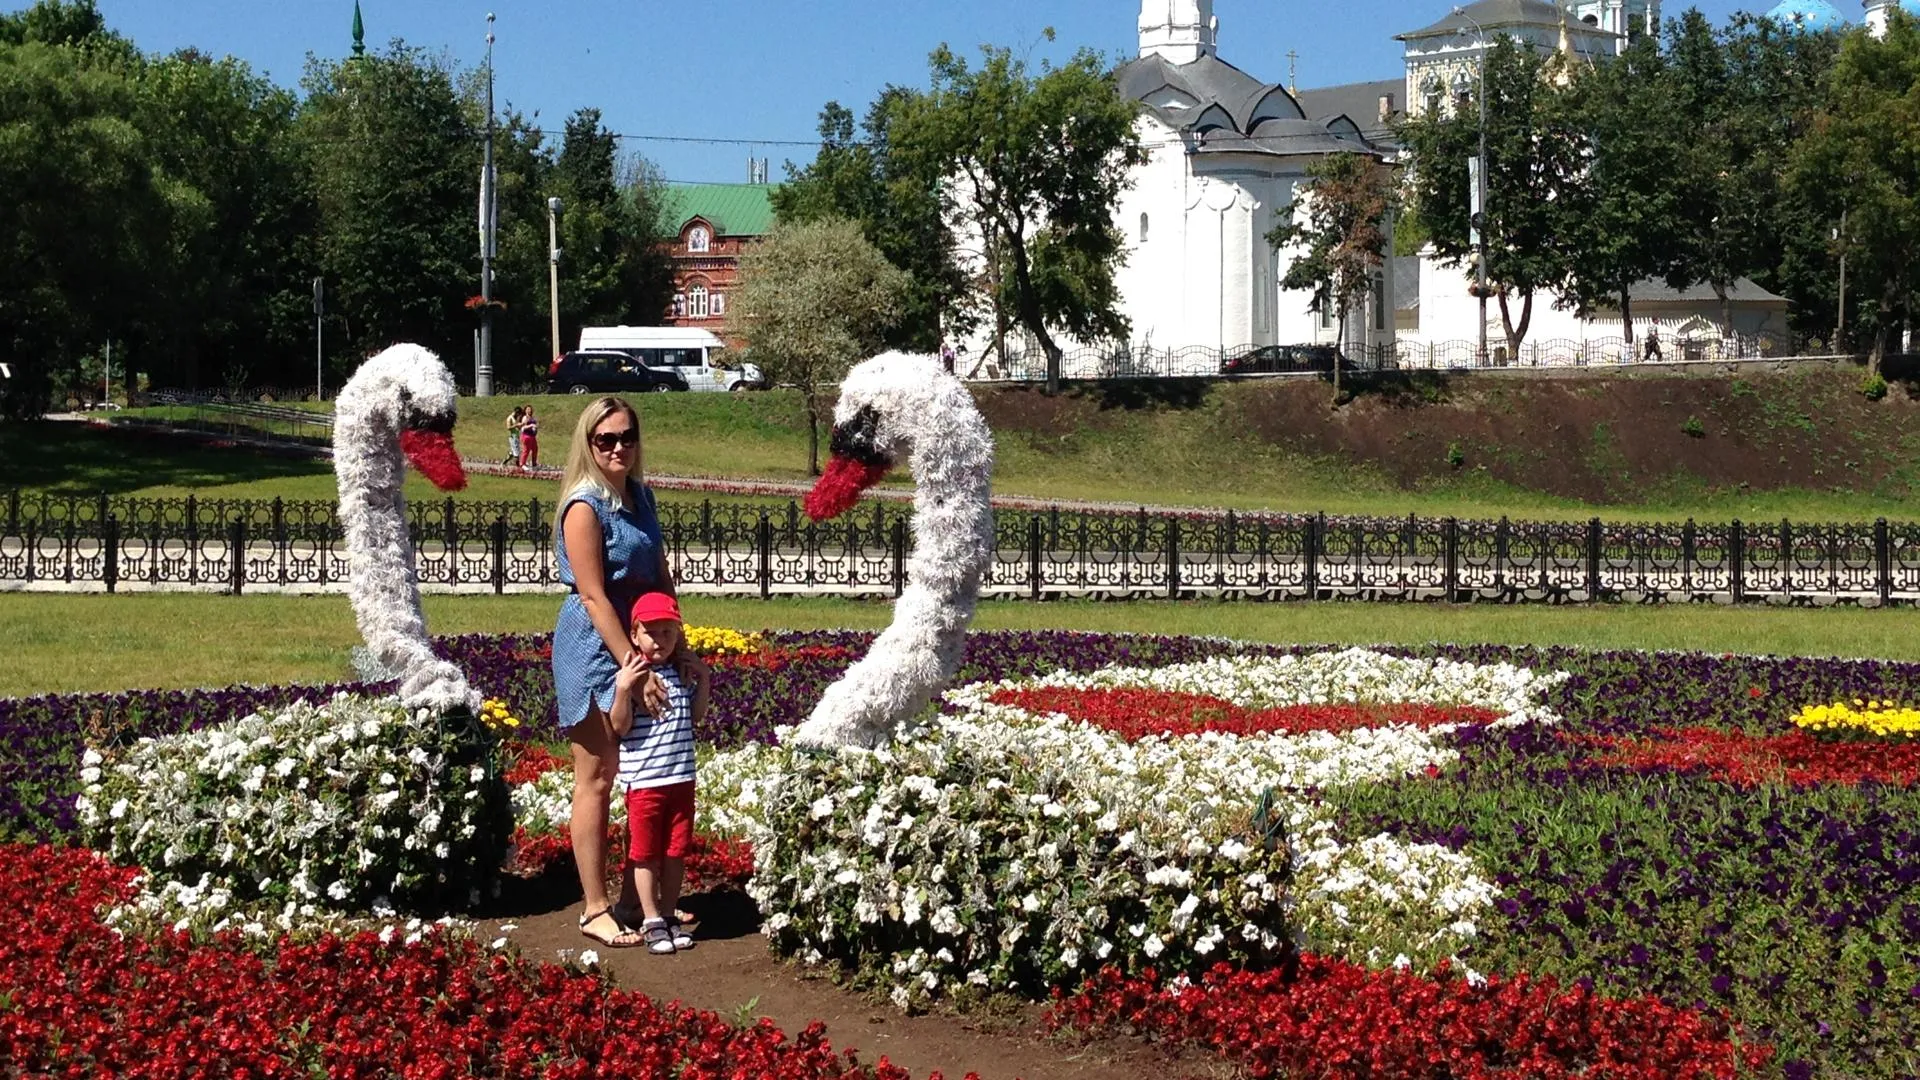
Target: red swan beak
point(840, 486)
point(433, 454)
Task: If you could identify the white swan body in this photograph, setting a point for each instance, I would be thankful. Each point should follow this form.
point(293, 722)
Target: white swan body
point(399, 405)
point(892, 407)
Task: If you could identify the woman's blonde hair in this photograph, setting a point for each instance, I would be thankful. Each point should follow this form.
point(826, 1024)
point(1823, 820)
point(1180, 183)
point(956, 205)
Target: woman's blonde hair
point(582, 471)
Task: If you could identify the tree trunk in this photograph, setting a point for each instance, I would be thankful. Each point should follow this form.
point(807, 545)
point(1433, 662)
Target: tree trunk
point(1726, 309)
point(1339, 351)
point(813, 436)
point(1516, 336)
point(1626, 317)
point(1030, 315)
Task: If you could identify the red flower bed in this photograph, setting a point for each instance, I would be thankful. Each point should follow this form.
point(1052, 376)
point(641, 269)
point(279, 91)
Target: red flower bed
point(527, 762)
point(1134, 713)
point(776, 657)
point(83, 1001)
point(1796, 757)
point(1331, 1020)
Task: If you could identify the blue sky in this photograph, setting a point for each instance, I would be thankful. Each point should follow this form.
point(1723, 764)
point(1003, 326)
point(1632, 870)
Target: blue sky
point(761, 69)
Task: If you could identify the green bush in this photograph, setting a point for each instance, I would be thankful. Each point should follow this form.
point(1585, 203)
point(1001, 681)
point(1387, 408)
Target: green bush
point(1693, 428)
point(337, 805)
point(1873, 387)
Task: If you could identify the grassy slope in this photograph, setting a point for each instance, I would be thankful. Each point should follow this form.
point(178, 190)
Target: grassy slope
point(62, 643)
point(1191, 454)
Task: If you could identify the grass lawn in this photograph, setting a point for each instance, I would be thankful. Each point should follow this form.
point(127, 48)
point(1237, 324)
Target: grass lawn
point(1170, 455)
point(62, 643)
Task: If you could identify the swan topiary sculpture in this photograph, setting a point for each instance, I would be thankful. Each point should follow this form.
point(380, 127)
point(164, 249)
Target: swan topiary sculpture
point(896, 407)
point(398, 407)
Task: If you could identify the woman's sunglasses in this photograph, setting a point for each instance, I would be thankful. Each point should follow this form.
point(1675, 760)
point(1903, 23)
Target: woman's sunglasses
point(605, 441)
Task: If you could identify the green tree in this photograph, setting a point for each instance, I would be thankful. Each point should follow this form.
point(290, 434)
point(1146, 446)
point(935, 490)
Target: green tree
point(87, 218)
point(1035, 164)
point(1340, 221)
point(238, 295)
point(1744, 95)
point(1858, 158)
point(1621, 210)
point(1532, 154)
point(897, 208)
point(813, 300)
point(395, 158)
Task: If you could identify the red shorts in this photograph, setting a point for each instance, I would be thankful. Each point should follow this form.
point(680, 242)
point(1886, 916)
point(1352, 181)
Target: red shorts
point(660, 822)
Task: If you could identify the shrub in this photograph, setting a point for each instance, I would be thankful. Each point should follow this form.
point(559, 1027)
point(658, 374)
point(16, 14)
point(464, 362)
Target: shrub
point(1873, 387)
point(1456, 457)
point(1693, 428)
point(337, 804)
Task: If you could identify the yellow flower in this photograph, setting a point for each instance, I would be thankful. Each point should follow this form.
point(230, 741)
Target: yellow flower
point(721, 641)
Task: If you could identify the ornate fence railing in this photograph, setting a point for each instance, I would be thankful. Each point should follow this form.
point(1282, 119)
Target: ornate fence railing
point(118, 543)
point(1149, 361)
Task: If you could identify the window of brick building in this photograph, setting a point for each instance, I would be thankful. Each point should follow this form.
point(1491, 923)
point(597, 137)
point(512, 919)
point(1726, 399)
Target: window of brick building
point(697, 302)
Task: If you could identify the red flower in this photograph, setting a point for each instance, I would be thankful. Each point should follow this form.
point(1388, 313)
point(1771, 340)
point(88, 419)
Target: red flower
point(1327, 1018)
point(1796, 757)
point(85, 1001)
point(1135, 713)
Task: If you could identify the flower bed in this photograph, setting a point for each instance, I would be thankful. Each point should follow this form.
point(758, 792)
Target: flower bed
point(340, 805)
point(1008, 848)
point(1330, 1018)
point(84, 1001)
point(1793, 908)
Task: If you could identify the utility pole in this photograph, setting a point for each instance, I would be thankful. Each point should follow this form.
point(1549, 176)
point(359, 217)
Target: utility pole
point(553, 268)
point(319, 353)
point(483, 368)
point(1477, 205)
point(1840, 322)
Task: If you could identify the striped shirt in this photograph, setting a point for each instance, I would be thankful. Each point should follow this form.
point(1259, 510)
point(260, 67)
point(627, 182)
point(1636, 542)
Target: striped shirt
point(656, 752)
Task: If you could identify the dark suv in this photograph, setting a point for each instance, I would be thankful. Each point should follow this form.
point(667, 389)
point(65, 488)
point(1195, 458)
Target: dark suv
point(606, 372)
point(1280, 359)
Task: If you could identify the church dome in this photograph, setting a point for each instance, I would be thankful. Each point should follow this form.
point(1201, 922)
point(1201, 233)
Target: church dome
point(1815, 15)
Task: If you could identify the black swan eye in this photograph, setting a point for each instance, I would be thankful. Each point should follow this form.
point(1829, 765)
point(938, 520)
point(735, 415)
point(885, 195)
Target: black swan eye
point(855, 438)
point(416, 420)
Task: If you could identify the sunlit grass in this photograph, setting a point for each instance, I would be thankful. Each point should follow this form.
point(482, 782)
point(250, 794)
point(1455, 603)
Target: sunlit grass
point(62, 643)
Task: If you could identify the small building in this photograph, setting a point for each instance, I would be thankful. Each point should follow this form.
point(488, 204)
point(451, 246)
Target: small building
point(711, 223)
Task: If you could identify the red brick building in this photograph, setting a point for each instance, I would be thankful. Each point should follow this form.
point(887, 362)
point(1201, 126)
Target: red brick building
point(712, 223)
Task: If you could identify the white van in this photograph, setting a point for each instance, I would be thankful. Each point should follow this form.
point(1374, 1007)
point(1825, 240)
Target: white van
point(688, 351)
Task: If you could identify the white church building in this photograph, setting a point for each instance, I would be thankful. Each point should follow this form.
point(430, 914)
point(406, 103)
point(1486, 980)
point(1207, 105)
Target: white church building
point(1226, 153)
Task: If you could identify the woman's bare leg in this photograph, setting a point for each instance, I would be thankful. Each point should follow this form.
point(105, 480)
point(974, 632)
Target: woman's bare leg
point(596, 761)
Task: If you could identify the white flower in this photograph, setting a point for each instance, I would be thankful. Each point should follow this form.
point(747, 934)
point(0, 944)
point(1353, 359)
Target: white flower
point(588, 957)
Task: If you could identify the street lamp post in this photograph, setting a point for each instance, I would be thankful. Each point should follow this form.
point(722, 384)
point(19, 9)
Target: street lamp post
point(553, 268)
point(483, 364)
point(1477, 197)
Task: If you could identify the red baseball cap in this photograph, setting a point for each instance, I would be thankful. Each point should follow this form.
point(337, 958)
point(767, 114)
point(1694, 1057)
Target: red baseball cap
point(653, 607)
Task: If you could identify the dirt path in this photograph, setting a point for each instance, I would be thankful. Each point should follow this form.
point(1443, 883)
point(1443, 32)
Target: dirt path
point(731, 972)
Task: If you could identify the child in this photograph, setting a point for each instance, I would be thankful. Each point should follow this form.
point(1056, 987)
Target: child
point(656, 769)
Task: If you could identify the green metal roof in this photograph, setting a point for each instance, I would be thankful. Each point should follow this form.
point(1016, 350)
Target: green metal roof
point(733, 209)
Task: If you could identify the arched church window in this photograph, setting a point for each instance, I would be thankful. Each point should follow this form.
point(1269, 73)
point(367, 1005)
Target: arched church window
point(1590, 20)
point(698, 240)
point(697, 302)
point(1143, 227)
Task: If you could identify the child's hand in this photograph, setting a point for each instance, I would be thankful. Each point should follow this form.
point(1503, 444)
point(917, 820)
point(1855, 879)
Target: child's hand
point(631, 674)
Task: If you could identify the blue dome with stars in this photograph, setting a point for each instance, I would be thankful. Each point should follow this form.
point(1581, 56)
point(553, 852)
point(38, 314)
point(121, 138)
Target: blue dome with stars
point(1817, 16)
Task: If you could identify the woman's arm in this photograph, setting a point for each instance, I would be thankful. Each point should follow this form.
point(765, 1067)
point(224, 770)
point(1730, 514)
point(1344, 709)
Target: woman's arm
point(585, 552)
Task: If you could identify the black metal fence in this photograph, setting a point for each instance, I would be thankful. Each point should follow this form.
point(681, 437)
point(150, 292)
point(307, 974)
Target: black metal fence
point(116, 543)
point(1145, 361)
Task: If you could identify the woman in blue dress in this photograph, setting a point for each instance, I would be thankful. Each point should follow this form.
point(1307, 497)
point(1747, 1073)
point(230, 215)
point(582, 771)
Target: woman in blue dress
point(609, 551)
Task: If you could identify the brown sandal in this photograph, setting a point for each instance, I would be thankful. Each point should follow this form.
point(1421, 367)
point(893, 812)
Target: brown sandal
point(622, 938)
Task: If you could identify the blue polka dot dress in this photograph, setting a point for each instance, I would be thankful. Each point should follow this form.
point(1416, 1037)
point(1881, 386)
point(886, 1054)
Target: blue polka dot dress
point(583, 669)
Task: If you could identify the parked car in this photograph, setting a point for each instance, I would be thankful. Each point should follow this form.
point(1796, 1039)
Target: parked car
point(1284, 359)
point(697, 356)
point(604, 371)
